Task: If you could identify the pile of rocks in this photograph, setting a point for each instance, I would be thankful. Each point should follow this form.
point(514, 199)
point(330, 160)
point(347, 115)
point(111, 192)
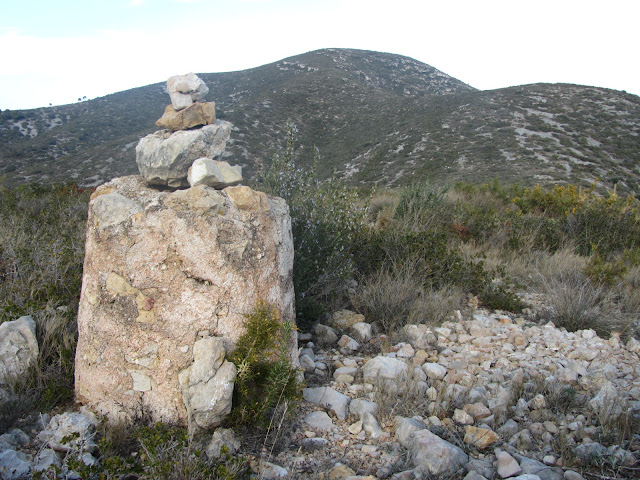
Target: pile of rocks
point(169, 275)
point(489, 396)
point(184, 153)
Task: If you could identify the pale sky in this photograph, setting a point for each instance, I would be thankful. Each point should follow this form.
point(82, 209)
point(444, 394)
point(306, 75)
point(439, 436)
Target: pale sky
point(55, 51)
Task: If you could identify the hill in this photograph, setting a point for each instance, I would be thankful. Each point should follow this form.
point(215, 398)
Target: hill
point(376, 118)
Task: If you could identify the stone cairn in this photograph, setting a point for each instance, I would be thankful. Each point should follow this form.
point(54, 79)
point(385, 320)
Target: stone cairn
point(170, 273)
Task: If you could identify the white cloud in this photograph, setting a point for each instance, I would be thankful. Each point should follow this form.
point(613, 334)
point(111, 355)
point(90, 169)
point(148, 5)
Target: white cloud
point(136, 3)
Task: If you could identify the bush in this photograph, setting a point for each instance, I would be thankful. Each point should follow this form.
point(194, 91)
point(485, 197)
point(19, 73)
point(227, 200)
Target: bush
point(266, 377)
point(325, 218)
point(150, 451)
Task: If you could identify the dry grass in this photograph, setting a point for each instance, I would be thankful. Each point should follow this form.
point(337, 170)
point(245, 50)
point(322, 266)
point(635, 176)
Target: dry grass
point(394, 297)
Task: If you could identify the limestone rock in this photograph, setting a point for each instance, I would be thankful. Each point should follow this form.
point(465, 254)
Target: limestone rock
point(434, 371)
point(188, 267)
point(438, 455)
point(195, 115)
point(328, 397)
point(344, 319)
point(419, 336)
point(46, 459)
point(112, 209)
point(371, 426)
point(507, 465)
point(319, 420)
point(207, 385)
point(219, 175)
point(480, 437)
point(164, 158)
point(269, 471)
point(359, 406)
point(222, 437)
point(326, 335)
point(186, 89)
point(361, 331)
point(383, 368)
point(405, 427)
point(14, 465)
point(69, 432)
point(18, 348)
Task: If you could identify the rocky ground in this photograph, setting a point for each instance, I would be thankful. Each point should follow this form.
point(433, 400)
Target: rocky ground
point(489, 395)
point(486, 395)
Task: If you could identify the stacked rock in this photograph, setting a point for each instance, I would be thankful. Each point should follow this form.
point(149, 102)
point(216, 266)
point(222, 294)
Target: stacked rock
point(191, 137)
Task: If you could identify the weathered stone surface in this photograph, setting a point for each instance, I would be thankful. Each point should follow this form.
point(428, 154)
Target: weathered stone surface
point(186, 89)
point(195, 115)
point(319, 420)
point(405, 427)
point(438, 455)
point(326, 335)
point(359, 406)
point(434, 371)
point(207, 384)
point(343, 319)
point(222, 437)
point(328, 397)
point(419, 336)
point(113, 208)
point(361, 331)
point(383, 368)
point(507, 465)
point(14, 465)
point(18, 348)
point(480, 437)
point(212, 173)
point(69, 432)
point(188, 267)
point(164, 158)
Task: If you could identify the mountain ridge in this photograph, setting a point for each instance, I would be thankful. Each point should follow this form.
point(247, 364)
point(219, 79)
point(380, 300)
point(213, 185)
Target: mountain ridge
point(376, 118)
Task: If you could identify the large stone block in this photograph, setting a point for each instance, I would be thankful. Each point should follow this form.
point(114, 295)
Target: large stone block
point(165, 289)
point(164, 158)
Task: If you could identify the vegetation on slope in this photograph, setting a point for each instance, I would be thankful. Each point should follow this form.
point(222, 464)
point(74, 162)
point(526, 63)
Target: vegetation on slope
point(378, 119)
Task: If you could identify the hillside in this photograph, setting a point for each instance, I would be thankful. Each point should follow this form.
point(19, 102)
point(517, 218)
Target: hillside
point(376, 118)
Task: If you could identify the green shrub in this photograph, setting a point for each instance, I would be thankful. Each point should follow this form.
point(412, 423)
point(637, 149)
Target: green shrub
point(325, 217)
point(149, 452)
point(266, 377)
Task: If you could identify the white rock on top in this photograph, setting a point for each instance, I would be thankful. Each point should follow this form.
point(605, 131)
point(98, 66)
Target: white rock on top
point(212, 173)
point(186, 89)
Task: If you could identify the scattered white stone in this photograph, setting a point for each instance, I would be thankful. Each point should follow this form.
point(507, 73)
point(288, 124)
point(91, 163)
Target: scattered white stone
point(328, 397)
point(348, 345)
point(325, 334)
point(14, 465)
point(319, 420)
point(507, 465)
point(362, 332)
point(359, 406)
point(46, 459)
point(382, 368)
point(434, 371)
point(222, 437)
point(439, 456)
point(69, 432)
point(18, 348)
point(462, 418)
point(371, 426)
